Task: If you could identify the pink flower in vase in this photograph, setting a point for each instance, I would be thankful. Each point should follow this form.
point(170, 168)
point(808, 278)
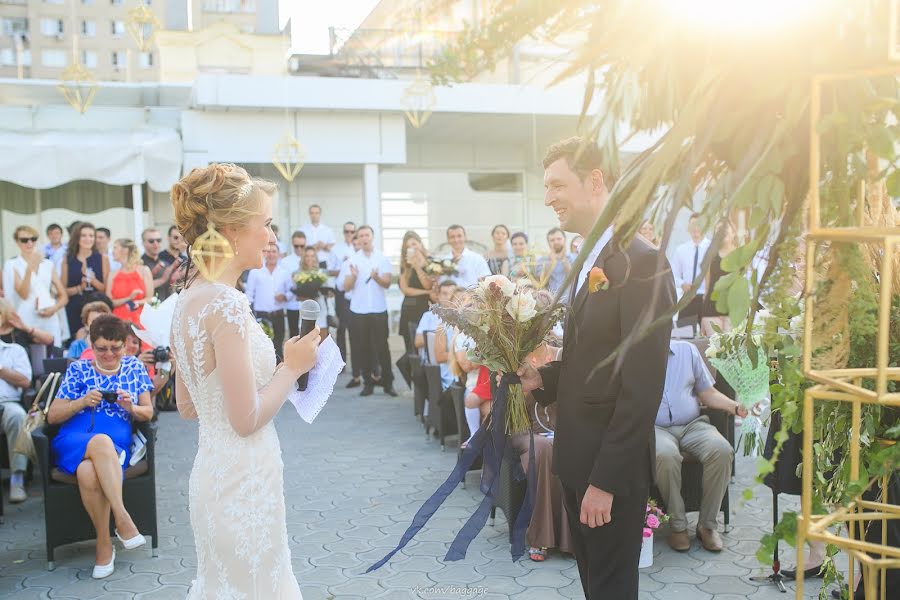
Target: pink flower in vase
point(652, 521)
point(647, 532)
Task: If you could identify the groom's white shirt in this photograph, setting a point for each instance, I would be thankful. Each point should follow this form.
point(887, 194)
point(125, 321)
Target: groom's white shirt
point(592, 257)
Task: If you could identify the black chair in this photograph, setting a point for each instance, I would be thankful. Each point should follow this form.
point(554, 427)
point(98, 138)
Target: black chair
point(65, 520)
point(458, 394)
point(3, 442)
point(420, 386)
point(440, 406)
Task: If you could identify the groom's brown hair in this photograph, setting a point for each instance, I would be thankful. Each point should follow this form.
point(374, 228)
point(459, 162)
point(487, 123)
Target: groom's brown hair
point(582, 155)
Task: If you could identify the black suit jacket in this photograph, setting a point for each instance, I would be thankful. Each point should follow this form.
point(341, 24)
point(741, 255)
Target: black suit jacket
point(604, 435)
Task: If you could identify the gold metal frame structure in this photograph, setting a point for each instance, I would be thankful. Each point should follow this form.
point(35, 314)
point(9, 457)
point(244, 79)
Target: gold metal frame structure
point(418, 101)
point(846, 385)
point(288, 156)
point(142, 25)
point(77, 85)
point(211, 252)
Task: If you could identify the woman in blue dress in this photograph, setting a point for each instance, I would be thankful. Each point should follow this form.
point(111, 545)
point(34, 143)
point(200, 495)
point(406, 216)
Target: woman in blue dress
point(95, 407)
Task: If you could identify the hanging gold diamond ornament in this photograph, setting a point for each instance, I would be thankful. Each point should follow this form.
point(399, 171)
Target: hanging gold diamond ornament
point(288, 156)
point(418, 101)
point(77, 86)
point(211, 253)
point(142, 25)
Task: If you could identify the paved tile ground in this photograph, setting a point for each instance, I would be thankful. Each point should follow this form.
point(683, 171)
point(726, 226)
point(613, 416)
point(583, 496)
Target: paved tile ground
point(353, 481)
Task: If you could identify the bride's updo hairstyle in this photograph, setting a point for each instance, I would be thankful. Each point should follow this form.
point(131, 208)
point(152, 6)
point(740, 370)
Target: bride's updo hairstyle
point(222, 194)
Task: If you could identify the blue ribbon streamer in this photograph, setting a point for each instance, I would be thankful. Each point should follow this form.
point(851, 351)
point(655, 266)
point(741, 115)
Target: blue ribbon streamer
point(491, 444)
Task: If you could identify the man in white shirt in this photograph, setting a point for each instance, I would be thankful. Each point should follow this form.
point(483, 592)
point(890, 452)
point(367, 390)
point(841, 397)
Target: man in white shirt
point(471, 266)
point(101, 244)
point(282, 249)
point(291, 264)
point(318, 235)
point(15, 376)
point(341, 253)
point(269, 289)
point(687, 265)
point(367, 274)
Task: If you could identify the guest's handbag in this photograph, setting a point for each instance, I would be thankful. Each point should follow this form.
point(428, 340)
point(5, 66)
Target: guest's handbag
point(37, 416)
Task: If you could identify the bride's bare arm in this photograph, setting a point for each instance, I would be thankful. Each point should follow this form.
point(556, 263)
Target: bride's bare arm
point(183, 399)
point(247, 406)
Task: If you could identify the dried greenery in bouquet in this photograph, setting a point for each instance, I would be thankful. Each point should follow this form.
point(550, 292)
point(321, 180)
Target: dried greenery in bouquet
point(507, 320)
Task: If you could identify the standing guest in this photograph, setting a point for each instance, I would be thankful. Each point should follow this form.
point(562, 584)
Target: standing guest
point(368, 274)
point(268, 289)
point(341, 253)
point(33, 286)
point(282, 248)
point(292, 263)
point(15, 377)
point(319, 235)
point(103, 247)
point(55, 243)
point(310, 264)
point(414, 283)
point(471, 267)
point(648, 232)
point(711, 315)
point(80, 348)
point(131, 286)
point(575, 246)
point(686, 264)
point(176, 248)
point(83, 272)
point(160, 268)
point(498, 256)
point(94, 439)
point(553, 269)
point(681, 428)
point(14, 331)
point(520, 262)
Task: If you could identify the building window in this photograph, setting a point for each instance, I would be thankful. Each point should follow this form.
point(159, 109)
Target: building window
point(89, 28)
point(8, 57)
point(117, 2)
point(53, 58)
point(54, 1)
point(118, 28)
point(87, 2)
point(89, 59)
point(15, 25)
point(117, 57)
point(52, 27)
point(400, 212)
point(146, 60)
point(229, 6)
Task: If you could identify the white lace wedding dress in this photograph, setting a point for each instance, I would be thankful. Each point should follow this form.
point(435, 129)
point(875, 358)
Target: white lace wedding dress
point(236, 486)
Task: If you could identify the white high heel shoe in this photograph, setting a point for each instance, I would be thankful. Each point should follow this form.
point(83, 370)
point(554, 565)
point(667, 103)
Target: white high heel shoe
point(103, 571)
point(132, 543)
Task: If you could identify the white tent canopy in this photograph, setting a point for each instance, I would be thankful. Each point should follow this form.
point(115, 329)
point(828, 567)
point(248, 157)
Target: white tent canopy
point(48, 159)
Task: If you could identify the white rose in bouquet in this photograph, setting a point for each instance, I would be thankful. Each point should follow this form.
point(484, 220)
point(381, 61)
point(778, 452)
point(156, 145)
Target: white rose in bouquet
point(521, 306)
point(506, 286)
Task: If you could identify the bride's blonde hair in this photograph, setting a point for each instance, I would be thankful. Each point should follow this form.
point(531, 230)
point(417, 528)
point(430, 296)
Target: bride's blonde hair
point(221, 194)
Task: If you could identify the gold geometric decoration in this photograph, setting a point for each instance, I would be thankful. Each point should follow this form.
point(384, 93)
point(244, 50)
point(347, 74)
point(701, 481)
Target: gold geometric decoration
point(855, 386)
point(418, 100)
point(211, 253)
point(77, 86)
point(142, 25)
point(288, 156)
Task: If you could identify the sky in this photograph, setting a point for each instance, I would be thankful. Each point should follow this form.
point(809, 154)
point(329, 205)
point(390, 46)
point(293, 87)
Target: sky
point(312, 18)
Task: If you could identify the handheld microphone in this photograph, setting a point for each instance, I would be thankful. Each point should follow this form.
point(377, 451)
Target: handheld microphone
point(309, 314)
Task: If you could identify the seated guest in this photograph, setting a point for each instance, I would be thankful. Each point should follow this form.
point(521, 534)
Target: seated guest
point(95, 407)
point(437, 353)
point(549, 526)
point(80, 348)
point(15, 376)
point(681, 428)
point(477, 399)
point(135, 347)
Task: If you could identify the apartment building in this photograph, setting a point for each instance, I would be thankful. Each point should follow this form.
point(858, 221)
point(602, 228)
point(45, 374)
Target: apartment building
point(37, 37)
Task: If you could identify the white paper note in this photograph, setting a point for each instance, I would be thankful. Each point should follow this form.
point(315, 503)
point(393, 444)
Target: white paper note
point(321, 382)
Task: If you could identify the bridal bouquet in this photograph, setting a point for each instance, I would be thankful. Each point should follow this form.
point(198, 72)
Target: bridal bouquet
point(308, 283)
point(437, 267)
point(507, 320)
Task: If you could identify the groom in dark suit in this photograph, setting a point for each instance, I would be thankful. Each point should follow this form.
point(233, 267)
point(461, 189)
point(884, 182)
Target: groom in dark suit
point(604, 451)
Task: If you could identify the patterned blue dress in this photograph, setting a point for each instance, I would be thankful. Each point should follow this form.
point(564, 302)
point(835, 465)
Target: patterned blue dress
point(71, 442)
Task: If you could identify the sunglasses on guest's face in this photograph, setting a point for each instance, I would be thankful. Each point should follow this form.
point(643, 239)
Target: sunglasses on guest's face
point(299, 245)
point(349, 231)
point(155, 241)
point(28, 239)
point(108, 350)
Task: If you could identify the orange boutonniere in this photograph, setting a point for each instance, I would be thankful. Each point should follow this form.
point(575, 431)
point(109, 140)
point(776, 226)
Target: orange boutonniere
point(597, 280)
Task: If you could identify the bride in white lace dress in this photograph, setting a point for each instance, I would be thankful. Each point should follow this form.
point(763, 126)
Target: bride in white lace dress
point(227, 379)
